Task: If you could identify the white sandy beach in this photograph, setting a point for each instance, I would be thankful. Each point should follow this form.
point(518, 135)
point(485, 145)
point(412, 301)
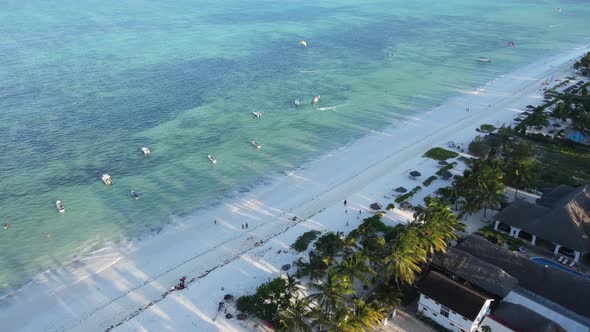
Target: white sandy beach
point(124, 287)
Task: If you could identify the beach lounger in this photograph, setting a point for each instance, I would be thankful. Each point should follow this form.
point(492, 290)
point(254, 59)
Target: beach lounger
point(565, 261)
point(560, 259)
point(572, 264)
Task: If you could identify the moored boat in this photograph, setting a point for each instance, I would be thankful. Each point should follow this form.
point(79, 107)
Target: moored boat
point(106, 179)
point(60, 206)
point(482, 59)
point(134, 195)
point(257, 114)
point(315, 100)
point(258, 146)
point(212, 159)
point(146, 151)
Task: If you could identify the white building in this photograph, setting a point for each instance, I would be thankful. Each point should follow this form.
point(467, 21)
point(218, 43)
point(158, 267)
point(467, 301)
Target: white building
point(451, 304)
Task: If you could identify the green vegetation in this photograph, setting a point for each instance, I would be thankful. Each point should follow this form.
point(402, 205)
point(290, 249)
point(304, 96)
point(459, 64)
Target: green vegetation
point(374, 254)
point(408, 195)
point(390, 206)
point(440, 154)
point(446, 168)
point(428, 181)
point(304, 240)
point(500, 238)
point(583, 62)
point(479, 148)
point(487, 128)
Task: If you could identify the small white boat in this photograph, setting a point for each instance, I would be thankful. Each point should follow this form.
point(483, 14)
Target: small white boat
point(134, 195)
point(257, 114)
point(60, 206)
point(258, 146)
point(106, 179)
point(297, 102)
point(213, 160)
point(146, 151)
point(315, 100)
point(482, 59)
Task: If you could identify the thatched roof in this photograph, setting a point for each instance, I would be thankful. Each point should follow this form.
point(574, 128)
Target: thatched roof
point(376, 206)
point(405, 205)
point(464, 301)
point(546, 281)
point(415, 173)
point(401, 189)
point(488, 277)
point(565, 221)
point(520, 318)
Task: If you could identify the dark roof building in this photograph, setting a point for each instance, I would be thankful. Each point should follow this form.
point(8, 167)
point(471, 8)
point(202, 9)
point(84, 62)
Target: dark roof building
point(457, 297)
point(565, 292)
point(462, 266)
point(562, 216)
point(519, 318)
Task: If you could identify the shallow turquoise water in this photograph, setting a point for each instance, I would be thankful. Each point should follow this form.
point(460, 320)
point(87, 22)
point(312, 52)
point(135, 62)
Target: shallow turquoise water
point(84, 84)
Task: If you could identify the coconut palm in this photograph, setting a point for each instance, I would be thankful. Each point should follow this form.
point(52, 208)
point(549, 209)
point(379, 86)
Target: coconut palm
point(520, 175)
point(354, 267)
point(315, 268)
point(295, 317)
point(366, 315)
point(490, 187)
point(387, 296)
point(292, 284)
point(405, 256)
point(332, 292)
point(471, 204)
point(348, 245)
point(437, 225)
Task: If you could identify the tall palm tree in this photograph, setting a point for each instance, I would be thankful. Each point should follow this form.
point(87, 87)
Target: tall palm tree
point(471, 204)
point(405, 256)
point(366, 315)
point(292, 284)
point(315, 268)
point(295, 316)
point(491, 187)
point(332, 291)
point(387, 296)
point(354, 267)
point(520, 175)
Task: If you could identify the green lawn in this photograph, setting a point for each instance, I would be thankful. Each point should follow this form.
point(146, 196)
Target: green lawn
point(440, 154)
point(560, 164)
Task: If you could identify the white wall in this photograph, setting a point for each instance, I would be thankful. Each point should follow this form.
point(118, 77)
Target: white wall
point(428, 307)
point(495, 326)
point(568, 324)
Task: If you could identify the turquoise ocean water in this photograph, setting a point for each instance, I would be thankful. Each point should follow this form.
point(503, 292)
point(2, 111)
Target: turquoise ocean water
point(84, 84)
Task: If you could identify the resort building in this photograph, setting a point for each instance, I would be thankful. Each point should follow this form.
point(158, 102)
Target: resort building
point(553, 293)
point(559, 221)
point(450, 304)
point(510, 317)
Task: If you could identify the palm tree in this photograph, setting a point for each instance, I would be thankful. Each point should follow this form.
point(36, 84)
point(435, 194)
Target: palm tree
point(367, 316)
point(438, 224)
point(387, 296)
point(332, 292)
point(520, 175)
point(472, 203)
point(292, 284)
point(315, 269)
point(491, 187)
point(406, 254)
point(348, 245)
point(296, 315)
point(354, 267)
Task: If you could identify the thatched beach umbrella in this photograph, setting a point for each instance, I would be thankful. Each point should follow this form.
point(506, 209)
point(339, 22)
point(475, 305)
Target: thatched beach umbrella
point(405, 205)
point(556, 125)
point(518, 119)
point(526, 113)
point(530, 106)
point(401, 190)
point(228, 297)
point(376, 206)
point(415, 174)
point(446, 175)
point(442, 163)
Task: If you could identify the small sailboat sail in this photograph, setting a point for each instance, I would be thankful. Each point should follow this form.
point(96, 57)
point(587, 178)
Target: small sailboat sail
point(146, 151)
point(106, 179)
point(257, 114)
point(256, 145)
point(315, 100)
point(135, 195)
point(60, 206)
point(212, 159)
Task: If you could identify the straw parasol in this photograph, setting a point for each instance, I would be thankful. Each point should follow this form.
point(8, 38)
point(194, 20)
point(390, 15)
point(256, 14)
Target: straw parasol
point(530, 106)
point(526, 113)
point(376, 206)
point(405, 205)
point(556, 125)
point(415, 174)
point(442, 163)
point(518, 119)
point(446, 175)
point(401, 190)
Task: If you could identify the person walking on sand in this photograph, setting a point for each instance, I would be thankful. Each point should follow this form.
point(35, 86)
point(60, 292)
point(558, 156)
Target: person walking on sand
point(246, 225)
point(215, 221)
point(344, 202)
point(242, 226)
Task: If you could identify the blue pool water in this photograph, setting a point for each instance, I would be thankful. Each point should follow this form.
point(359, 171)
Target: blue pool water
point(544, 261)
point(577, 136)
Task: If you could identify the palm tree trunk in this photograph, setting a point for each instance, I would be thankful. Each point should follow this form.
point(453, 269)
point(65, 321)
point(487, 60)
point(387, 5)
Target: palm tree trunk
point(515, 193)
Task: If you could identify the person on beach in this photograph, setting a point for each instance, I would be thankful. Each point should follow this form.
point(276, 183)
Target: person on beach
point(345, 211)
point(246, 225)
point(344, 202)
point(242, 226)
point(215, 221)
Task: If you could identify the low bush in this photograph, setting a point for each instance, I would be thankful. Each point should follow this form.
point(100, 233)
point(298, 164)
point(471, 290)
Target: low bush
point(486, 128)
point(446, 168)
point(408, 195)
point(440, 154)
point(390, 206)
point(304, 240)
point(428, 181)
